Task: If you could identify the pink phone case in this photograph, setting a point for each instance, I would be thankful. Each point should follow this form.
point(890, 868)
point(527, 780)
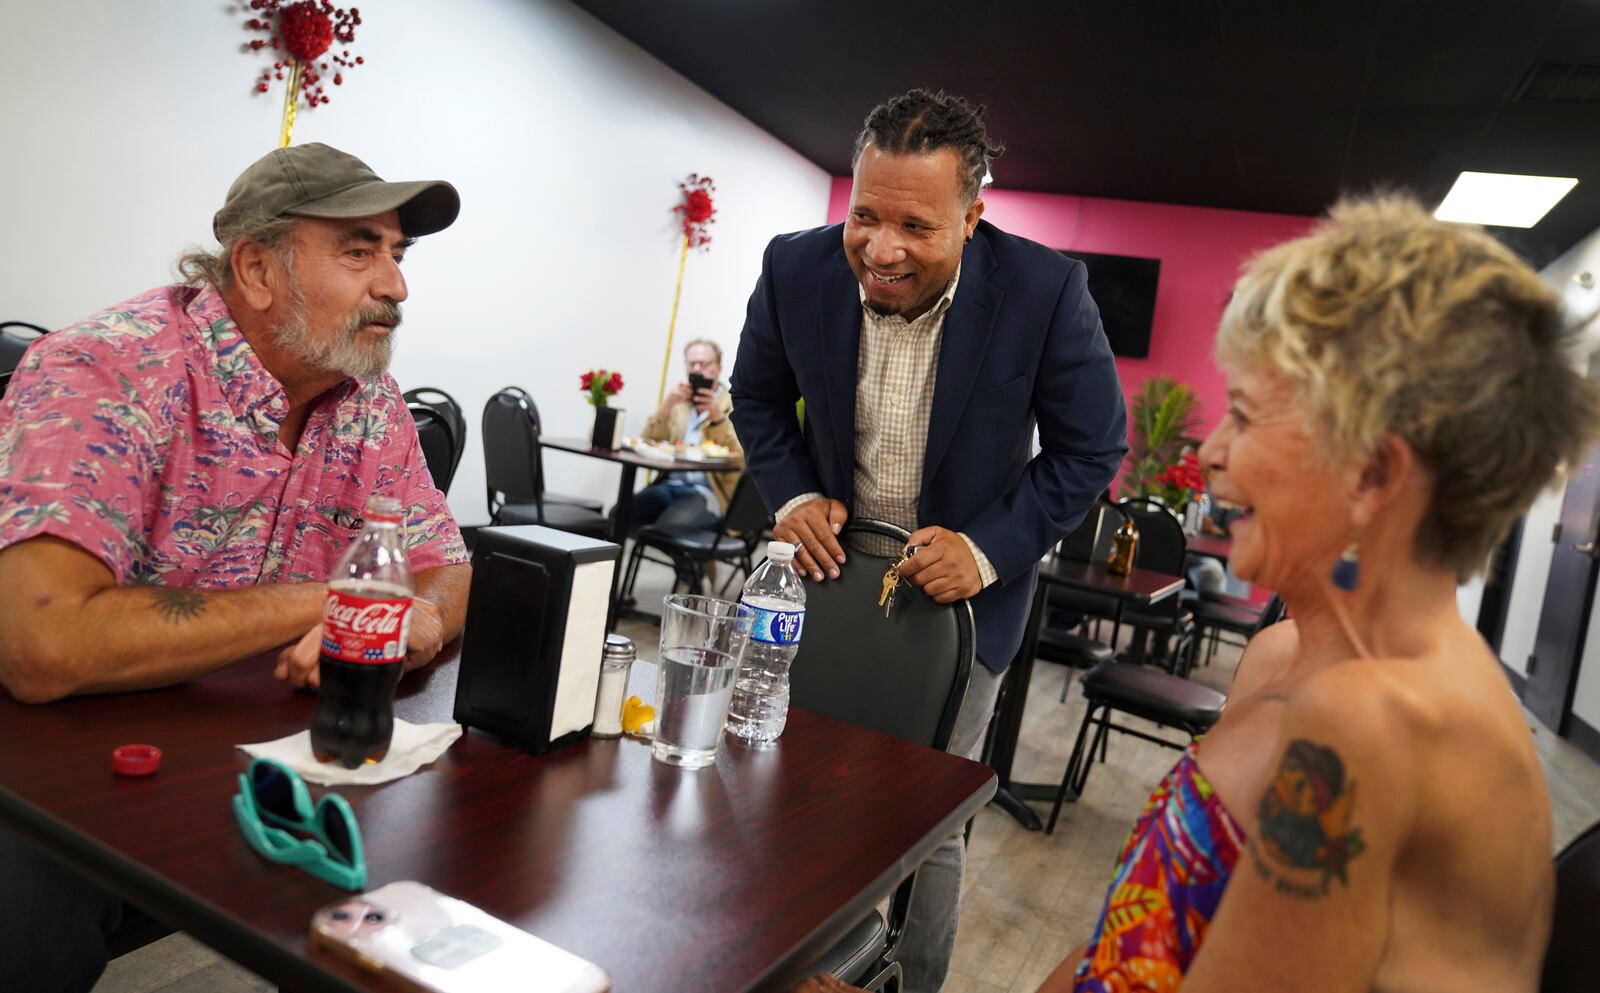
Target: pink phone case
point(427, 942)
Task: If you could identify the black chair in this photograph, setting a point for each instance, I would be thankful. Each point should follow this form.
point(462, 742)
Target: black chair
point(1572, 960)
point(1162, 548)
point(547, 496)
point(444, 407)
point(15, 337)
point(1058, 643)
point(514, 476)
point(1140, 691)
point(688, 548)
point(904, 676)
point(1216, 614)
point(438, 444)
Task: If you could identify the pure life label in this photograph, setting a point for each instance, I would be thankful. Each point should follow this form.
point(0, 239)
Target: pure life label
point(777, 627)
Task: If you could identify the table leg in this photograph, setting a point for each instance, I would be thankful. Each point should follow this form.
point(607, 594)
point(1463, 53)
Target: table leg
point(619, 534)
point(1009, 727)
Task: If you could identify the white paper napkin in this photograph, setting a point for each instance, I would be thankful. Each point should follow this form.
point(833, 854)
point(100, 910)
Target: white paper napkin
point(412, 747)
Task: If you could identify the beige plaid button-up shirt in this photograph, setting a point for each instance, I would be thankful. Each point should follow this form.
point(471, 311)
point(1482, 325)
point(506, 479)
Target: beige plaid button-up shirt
point(896, 367)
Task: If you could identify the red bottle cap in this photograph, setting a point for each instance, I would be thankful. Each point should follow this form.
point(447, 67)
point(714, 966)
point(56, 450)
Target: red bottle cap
point(135, 760)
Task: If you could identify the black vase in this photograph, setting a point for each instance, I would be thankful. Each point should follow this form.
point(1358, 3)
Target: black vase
point(605, 428)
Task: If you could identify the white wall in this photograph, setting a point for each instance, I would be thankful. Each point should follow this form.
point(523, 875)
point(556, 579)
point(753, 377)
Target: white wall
point(126, 120)
point(1527, 587)
point(1533, 562)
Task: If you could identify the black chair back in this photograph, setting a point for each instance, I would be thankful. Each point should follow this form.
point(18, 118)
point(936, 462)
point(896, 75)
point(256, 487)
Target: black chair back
point(447, 409)
point(747, 514)
point(15, 337)
point(511, 451)
point(1091, 540)
point(1271, 614)
point(438, 444)
point(1162, 545)
point(904, 675)
point(1572, 960)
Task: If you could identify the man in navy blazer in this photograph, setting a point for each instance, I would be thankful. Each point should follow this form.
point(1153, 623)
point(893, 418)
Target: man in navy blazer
point(915, 329)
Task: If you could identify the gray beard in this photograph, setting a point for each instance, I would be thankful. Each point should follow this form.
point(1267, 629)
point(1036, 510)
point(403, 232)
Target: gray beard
point(343, 351)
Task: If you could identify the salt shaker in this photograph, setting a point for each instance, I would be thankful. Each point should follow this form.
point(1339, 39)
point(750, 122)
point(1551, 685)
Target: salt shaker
point(615, 664)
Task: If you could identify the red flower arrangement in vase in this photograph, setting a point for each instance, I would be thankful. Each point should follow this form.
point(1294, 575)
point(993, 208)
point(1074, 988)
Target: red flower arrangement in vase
point(1178, 483)
point(601, 385)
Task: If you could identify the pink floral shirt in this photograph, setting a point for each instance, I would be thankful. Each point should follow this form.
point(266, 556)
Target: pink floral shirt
point(148, 436)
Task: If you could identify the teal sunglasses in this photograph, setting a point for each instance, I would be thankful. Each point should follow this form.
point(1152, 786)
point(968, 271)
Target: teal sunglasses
point(272, 797)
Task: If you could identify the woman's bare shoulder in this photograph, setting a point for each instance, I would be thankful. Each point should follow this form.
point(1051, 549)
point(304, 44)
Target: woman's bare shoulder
point(1266, 655)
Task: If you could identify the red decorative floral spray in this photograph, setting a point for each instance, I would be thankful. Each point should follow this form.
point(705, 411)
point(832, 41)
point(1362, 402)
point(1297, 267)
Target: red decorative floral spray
point(697, 211)
point(304, 32)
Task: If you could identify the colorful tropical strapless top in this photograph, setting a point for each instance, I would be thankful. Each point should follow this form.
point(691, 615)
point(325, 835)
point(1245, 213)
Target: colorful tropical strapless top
point(1168, 883)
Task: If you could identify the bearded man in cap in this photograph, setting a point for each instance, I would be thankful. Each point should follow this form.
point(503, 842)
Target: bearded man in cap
point(179, 473)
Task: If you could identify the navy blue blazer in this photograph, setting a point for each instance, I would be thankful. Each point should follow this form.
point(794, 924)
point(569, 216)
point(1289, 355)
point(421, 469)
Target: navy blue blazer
point(1022, 344)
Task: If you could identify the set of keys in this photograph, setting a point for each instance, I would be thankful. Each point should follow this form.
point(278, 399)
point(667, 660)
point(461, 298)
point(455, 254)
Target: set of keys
point(892, 580)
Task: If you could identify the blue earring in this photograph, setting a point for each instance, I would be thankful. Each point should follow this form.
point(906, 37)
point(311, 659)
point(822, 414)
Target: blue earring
point(1347, 571)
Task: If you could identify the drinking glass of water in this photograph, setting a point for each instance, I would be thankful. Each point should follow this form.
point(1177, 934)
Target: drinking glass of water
point(702, 643)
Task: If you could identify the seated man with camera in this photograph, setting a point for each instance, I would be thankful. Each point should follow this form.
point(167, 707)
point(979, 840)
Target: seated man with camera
point(695, 412)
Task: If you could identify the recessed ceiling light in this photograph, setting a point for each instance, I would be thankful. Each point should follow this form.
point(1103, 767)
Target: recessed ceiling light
point(1502, 199)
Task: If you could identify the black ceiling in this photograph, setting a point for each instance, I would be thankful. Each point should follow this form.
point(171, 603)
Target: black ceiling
point(1274, 105)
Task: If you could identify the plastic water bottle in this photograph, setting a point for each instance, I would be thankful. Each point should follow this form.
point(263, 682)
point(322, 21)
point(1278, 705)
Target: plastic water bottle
point(760, 706)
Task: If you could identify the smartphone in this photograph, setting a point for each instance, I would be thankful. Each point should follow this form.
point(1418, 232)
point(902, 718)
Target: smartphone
point(425, 942)
point(698, 382)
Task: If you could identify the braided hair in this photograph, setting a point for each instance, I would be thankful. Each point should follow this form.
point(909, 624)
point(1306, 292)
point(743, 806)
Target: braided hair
point(924, 121)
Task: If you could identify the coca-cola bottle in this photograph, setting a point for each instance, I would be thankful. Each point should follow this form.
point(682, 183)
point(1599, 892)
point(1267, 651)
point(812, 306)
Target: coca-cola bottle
point(365, 620)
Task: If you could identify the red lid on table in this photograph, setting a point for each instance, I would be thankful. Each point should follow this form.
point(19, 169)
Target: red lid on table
point(135, 760)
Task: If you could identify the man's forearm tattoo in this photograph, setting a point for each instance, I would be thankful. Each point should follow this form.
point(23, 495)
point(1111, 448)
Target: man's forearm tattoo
point(178, 606)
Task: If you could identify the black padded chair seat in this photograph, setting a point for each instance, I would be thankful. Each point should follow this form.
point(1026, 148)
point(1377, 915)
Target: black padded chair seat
point(856, 951)
point(573, 501)
point(1066, 648)
point(561, 516)
point(699, 542)
point(1154, 695)
point(1214, 613)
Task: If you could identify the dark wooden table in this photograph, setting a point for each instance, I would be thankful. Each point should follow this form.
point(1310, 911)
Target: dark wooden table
point(1140, 586)
point(1214, 546)
point(728, 878)
point(630, 461)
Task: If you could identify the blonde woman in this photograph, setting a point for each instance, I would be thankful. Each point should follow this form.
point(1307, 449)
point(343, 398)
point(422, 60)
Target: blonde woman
point(1369, 813)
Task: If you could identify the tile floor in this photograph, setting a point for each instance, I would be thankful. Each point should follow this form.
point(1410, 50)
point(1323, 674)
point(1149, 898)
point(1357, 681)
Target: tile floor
point(1028, 899)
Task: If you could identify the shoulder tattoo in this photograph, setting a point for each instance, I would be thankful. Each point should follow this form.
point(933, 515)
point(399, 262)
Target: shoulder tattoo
point(1306, 838)
point(178, 606)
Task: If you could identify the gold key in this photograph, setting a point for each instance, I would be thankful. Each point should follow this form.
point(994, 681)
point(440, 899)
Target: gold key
point(891, 581)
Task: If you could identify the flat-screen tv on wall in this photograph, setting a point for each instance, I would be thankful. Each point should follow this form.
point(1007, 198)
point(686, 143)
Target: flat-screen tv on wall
point(1124, 287)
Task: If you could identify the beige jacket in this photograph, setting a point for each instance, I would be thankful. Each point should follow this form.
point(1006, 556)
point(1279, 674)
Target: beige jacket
point(672, 427)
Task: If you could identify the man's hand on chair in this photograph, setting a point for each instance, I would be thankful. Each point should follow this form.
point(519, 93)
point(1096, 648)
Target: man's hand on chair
point(813, 528)
point(943, 567)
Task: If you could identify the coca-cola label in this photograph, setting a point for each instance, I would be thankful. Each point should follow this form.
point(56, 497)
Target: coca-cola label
point(357, 628)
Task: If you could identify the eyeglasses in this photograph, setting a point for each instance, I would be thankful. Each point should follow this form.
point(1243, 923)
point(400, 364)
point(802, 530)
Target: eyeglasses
point(270, 793)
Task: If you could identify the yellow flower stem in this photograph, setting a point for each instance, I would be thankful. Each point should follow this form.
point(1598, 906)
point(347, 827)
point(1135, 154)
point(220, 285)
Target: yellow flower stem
point(291, 101)
point(677, 294)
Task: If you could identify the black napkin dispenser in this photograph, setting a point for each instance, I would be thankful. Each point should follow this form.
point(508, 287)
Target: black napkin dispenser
point(536, 628)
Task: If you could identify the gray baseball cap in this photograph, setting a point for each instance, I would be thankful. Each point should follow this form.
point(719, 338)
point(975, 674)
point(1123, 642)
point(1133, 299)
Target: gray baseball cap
point(318, 181)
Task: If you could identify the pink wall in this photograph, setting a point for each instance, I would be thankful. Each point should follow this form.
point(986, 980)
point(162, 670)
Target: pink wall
point(1200, 249)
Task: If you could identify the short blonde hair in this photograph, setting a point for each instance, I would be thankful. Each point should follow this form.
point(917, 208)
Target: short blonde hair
point(1385, 319)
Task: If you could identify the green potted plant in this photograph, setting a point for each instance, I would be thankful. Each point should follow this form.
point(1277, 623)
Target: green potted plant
point(1163, 422)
